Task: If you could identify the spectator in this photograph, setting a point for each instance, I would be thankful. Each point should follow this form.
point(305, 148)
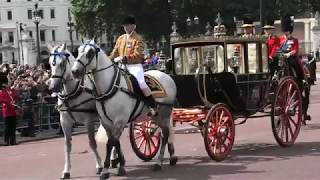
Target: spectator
point(8, 100)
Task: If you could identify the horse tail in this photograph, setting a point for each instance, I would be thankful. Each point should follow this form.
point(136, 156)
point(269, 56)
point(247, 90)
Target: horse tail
point(101, 136)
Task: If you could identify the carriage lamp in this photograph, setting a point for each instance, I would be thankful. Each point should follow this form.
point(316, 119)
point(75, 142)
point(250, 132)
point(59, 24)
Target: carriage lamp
point(235, 62)
point(36, 16)
point(70, 29)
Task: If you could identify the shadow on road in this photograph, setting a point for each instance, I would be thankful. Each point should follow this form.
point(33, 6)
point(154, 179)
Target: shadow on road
point(256, 152)
point(202, 167)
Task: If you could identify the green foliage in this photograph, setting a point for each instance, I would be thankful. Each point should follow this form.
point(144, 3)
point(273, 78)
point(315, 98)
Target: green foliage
point(154, 17)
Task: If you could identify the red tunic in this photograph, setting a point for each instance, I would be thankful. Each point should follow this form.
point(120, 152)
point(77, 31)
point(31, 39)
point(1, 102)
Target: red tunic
point(8, 108)
point(292, 45)
point(273, 46)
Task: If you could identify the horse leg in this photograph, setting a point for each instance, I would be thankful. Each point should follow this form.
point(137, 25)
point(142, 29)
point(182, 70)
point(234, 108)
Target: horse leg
point(117, 146)
point(165, 135)
point(105, 174)
point(67, 130)
point(173, 158)
point(93, 145)
point(114, 158)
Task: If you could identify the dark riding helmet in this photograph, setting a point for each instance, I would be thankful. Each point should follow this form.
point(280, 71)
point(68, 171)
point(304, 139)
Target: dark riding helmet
point(287, 23)
point(129, 20)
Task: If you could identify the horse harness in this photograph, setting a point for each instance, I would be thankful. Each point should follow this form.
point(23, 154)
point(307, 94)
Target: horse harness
point(66, 98)
point(115, 85)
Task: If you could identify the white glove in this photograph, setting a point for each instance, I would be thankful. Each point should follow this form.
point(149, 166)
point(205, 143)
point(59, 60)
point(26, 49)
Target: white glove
point(117, 59)
point(287, 55)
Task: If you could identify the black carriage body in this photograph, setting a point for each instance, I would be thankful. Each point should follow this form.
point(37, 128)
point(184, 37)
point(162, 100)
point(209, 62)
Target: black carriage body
point(239, 78)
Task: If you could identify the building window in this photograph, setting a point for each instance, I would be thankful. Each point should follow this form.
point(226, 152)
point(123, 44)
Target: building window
point(41, 13)
point(1, 58)
point(42, 35)
point(0, 38)
point(30, 34)
point(9, 15)
point(29, 14)
point(8, 0)
point(53, 33)
point(52, 14)
point(11, 38)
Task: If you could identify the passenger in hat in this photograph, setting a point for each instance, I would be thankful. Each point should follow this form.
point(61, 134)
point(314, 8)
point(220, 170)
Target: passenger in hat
point(248, 26)
point(273, 43)
point(129, 50)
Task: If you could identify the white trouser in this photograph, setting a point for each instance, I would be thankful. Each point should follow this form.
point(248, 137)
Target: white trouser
point(137, 71)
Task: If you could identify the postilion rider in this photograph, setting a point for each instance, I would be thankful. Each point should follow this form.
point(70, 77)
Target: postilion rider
point(129, 50)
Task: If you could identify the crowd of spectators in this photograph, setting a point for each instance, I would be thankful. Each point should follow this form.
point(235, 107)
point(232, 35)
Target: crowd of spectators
point(29, 81)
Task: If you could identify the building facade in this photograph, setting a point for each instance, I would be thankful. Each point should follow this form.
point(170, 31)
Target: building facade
point(18, 29)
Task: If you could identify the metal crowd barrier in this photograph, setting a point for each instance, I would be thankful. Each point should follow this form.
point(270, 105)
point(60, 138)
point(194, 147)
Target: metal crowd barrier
point(45, 117)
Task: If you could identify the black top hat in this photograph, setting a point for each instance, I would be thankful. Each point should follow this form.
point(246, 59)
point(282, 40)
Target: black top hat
point(247, 21)
point(129, 20)
point(287, 23)
point(269, 24)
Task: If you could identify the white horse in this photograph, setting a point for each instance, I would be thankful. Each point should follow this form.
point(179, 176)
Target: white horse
point(117, 107)
point(75, 103)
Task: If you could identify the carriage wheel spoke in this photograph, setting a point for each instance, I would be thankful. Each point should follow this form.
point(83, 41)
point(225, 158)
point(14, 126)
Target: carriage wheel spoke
point(152, 143)
point(286, 132)
point(138, 137)
point(149, 146)
point(293, 122)
point(139, 128)
point(290, 130)
point(140, 143)
point(220, 118)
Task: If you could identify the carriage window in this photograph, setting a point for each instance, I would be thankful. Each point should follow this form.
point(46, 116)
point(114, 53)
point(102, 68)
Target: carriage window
point(214, 57)
point(235, 58)
point(186, 60)
point(253, 59)
point(264, 51)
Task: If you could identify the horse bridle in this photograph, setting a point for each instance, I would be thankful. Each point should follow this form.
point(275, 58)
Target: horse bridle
point(90, 59)
point(66, 55)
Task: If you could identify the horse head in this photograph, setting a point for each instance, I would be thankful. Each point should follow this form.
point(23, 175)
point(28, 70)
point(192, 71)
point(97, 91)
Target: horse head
point(86, 60)
point(60, 64)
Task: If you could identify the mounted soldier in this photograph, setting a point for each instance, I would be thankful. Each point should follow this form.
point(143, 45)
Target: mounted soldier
point(289, 45)
point(129, 50)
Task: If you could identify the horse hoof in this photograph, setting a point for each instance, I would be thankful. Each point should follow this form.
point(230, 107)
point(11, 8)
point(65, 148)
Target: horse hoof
point(99, 170)
point(173, 160)
point(121, 171)
point(65, 176)
point(114, 163)
point(156, 167)
point(104, 176)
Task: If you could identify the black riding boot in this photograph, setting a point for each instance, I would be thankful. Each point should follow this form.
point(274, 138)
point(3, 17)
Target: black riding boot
point(151, 103)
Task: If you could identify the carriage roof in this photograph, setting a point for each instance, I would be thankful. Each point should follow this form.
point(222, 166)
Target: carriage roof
point(205, 40)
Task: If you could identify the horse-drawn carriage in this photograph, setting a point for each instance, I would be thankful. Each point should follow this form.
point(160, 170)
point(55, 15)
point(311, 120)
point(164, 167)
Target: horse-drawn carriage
point(220, 81)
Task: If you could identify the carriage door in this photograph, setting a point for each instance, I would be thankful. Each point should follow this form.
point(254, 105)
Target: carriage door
point(257, 75)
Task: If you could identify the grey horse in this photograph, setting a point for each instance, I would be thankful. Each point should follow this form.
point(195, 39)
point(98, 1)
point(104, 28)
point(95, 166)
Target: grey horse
point(74, 103)
point(116, 107)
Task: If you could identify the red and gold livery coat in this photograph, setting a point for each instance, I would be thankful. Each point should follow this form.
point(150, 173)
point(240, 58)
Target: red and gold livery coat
point(131, 48)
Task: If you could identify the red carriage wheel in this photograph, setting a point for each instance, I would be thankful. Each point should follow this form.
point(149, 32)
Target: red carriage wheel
point(219, 132)
point(286, 114)
point(145, 139)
